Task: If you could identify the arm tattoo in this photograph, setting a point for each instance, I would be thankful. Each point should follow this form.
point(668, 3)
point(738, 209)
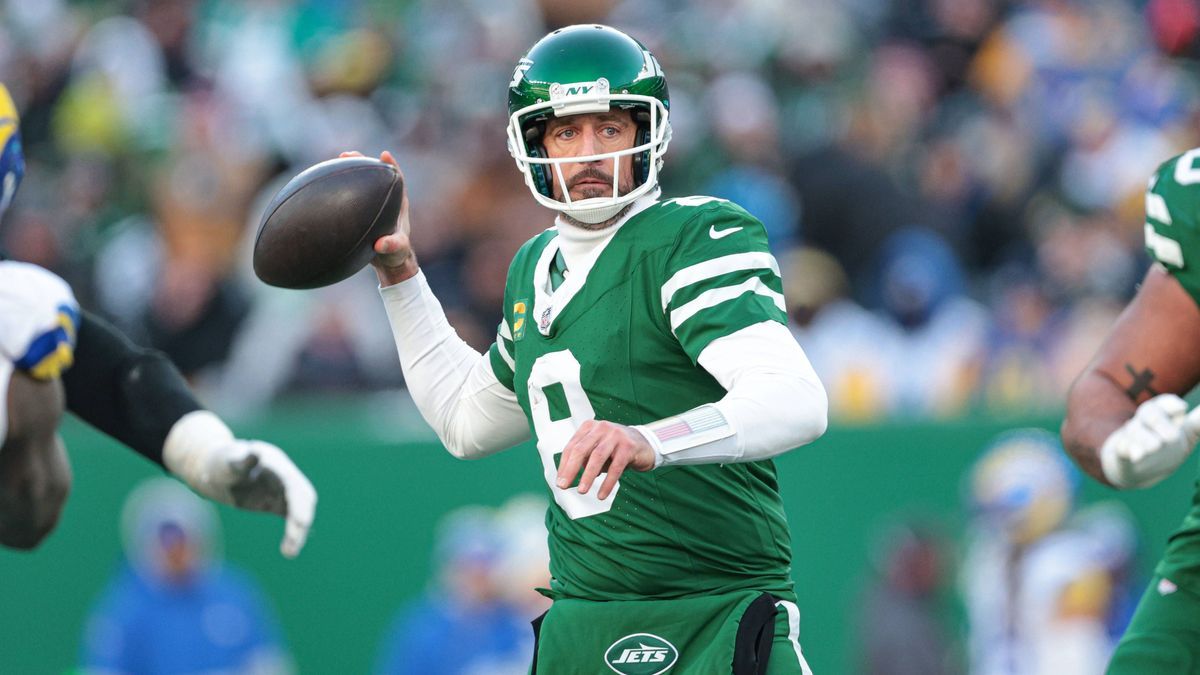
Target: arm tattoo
point(1141, 383)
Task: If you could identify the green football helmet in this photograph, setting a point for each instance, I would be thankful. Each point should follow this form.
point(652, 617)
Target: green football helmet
point(588, 69)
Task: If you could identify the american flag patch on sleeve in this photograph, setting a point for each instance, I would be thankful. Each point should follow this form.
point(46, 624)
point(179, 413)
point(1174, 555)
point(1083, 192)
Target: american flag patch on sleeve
point(697, 426)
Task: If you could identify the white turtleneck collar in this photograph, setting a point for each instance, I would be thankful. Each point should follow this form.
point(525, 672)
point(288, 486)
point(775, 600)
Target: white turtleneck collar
point(580, 247)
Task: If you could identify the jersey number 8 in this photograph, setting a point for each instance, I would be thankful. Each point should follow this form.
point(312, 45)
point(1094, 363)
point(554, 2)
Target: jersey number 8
point(557, 374)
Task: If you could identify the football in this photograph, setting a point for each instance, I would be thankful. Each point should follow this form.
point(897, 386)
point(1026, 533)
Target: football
point(321, 227)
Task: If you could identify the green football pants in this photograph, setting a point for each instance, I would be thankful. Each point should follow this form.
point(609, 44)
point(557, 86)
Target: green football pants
point(1164, 635)
point(786, 657)
point(713, 635)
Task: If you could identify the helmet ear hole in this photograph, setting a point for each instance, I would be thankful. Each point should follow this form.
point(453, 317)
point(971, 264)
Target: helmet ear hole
point(540, 172)
point(640, 162)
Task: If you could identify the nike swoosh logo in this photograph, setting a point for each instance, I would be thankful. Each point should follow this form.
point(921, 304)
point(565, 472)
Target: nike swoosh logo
point(717, 234)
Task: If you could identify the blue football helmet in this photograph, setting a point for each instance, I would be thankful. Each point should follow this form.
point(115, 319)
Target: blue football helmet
point(12, 159)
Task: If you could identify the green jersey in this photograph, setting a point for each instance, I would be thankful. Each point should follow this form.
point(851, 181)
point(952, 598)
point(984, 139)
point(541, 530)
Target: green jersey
point(1173, 240)
point(621, 344)
point(1173, 219)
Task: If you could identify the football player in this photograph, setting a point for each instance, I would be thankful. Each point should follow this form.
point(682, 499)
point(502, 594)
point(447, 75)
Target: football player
point(644, 345)
point(38, 320)
point(1039, 578)
point(134, 395)
point(1127, 427)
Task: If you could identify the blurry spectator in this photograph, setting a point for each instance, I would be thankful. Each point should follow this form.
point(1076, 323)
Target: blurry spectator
point(950, 30)
point(849, 207)
point(329, 344)
point(1035, 347)
point(1046, 594)
point(934, 360)
point(841, 338)
point(172, 606)
point(1175, 25)
point(1017, 369)
point(1081, 256)
point(1086, 325)
point(474, 620)
point(745, 116)
point(313, 341)
point(165, 278)
point(904, 621)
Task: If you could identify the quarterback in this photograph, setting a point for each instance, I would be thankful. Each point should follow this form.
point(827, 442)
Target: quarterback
point(53, 354)
point(643, 346)
point(1127, 426)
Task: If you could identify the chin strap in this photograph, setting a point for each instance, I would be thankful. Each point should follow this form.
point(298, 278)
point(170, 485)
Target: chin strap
point(593, 216)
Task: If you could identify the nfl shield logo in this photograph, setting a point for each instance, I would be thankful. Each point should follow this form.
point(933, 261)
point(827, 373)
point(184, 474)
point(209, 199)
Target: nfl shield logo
point(544, 321)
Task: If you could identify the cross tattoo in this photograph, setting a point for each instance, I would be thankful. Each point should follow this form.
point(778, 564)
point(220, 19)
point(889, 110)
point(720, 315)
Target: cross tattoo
point(1141, 383)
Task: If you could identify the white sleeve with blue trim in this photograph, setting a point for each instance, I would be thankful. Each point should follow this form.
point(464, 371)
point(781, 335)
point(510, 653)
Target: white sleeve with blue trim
point(39, 319)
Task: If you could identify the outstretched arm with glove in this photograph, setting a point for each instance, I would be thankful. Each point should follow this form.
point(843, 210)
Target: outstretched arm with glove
point(139, 398)
point(1126, 425)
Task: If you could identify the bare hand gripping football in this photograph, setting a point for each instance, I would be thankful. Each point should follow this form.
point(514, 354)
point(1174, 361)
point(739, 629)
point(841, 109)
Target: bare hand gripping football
point(394, 259)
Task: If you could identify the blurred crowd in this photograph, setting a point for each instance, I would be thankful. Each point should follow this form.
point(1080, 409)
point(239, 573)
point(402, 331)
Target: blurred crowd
point(953, 187)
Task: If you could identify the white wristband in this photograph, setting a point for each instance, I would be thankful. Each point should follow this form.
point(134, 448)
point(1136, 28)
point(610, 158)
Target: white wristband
point(692, 437)
point(188, 442)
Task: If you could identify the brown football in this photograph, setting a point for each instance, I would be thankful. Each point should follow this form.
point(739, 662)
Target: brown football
point(321, 227)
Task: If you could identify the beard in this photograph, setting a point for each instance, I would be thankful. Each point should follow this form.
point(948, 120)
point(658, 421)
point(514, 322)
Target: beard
point(592, 192)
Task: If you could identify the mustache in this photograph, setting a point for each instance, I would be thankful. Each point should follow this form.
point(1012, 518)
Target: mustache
point(590, 173)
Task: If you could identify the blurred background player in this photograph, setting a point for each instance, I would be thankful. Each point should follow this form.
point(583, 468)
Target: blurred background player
point(474, 618)
point(645, 343)
point(173, 606)
point(904, 622)
point(1126, 425)
point(138, 397)
point(1043, 586)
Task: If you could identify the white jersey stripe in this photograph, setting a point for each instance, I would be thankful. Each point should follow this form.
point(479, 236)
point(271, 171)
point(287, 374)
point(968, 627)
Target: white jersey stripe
point(505, 332)
point(508, 359)
point(708, 269)
point(793, 613)
point(716, 296)
point(1165, 249)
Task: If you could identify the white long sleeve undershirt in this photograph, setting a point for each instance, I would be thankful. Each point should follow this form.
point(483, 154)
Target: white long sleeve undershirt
point(452, 384)
point(774, 402)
